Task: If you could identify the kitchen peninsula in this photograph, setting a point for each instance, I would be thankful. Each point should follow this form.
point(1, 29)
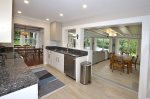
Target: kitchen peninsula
point(16, 79)
point(66, 60)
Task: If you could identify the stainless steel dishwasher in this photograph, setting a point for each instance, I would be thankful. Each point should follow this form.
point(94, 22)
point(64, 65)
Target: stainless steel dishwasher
point(70, 66)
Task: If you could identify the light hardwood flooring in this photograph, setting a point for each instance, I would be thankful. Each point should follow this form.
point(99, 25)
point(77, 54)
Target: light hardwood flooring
point(98, 89)
point(130, 81)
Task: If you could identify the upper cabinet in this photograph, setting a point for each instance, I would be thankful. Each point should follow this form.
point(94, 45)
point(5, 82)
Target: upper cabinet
point(5, 21)
point(56, 31)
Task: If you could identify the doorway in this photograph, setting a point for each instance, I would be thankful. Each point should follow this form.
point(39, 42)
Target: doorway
point(123, 40)
point(28, 42)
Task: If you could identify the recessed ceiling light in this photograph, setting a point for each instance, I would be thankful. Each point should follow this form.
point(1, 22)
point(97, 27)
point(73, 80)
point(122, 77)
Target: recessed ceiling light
point(19, 12)
point(47, 19)
point(84, 6)
point(26, 1)
point(61, 14)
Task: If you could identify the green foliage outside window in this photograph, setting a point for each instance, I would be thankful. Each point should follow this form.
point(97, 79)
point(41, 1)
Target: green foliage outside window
point(128, 46)
point(103, 43)
point(87, 42)
point(16, 38)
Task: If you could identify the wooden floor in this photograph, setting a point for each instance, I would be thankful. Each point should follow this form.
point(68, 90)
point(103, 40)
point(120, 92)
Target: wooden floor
point(130, 80)
point(98, 89)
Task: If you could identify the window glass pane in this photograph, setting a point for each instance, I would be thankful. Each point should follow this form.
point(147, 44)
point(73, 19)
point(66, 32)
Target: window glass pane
point(123, 45)
point(16, 38)
point(99, 44)
point(133, 45)
point(71, 40)
point(106, 44)
point(87, 43)
point(128, 46)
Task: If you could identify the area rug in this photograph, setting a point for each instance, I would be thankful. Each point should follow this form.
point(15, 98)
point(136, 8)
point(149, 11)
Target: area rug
point(47, 82)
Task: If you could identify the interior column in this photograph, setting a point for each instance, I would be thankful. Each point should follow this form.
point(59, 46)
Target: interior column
point(80, 39)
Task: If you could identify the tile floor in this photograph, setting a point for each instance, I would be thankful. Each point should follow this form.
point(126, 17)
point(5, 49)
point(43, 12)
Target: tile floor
point(130, 81)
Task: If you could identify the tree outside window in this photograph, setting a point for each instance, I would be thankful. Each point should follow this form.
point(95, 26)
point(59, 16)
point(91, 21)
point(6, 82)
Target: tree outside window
point(87, 43)
point(128, 46)
point(102, 44)
point(16, 38)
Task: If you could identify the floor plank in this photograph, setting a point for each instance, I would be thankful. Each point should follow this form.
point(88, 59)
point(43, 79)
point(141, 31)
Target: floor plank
point(98, 89)
point(131, 80)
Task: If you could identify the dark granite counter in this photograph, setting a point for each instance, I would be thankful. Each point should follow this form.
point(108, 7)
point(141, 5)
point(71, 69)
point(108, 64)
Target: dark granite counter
point(15, 75)
point(63, 50)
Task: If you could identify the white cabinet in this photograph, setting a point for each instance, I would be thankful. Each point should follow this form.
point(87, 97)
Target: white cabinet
point(59, 61)
point(5, 21)
point(49, 59)
point(30, 92)
point(56, 60)
point(56, 31)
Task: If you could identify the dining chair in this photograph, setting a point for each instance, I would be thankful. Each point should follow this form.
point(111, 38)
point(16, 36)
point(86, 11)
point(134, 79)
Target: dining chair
point(134, 61)
point(117, 62)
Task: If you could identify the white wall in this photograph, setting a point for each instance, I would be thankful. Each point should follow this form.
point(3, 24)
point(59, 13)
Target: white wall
point(145, 49)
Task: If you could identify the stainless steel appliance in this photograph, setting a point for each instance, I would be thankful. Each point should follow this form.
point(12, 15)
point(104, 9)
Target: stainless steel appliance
point(85, 73)
point(70, 66)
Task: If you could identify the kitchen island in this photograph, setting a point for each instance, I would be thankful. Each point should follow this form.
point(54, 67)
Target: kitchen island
point(16, 80)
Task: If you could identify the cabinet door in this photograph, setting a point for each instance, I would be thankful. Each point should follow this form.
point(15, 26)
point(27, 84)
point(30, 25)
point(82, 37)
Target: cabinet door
point(54, 59)
point(50, 58)
point(49, 61)
point(5, 21)
point(52, 31)
point(60, 62)
point(55, 31)
point(58, 32)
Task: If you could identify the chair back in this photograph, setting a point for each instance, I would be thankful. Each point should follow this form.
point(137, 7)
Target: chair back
point(134, 60)
point(117, 59)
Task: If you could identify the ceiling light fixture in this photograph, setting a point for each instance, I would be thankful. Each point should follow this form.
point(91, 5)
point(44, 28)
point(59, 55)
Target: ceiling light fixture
point(26, 1)
point(61, 14)
point(111, 32)
point(84, 6)
point(47, 19)
point(19, 12)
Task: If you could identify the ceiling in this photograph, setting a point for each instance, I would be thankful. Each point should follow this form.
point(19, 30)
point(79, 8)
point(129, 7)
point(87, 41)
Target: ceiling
point(132, 30)
point(73, 11)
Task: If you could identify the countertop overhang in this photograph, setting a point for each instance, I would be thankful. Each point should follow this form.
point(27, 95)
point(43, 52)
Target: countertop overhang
point(15, 74)
point(63, 50)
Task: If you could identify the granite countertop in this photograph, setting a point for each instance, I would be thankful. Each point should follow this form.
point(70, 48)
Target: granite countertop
point(63, 50)
point(15, 75)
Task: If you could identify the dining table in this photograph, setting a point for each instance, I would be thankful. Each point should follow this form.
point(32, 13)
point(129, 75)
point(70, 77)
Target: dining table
point(127, 62)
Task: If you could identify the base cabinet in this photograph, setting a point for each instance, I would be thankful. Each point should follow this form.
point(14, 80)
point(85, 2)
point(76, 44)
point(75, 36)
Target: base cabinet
point(56, 60)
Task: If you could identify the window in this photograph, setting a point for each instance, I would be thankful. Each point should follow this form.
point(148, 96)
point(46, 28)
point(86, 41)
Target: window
point(17, 38)
point(128, 46)
point(26, 40)
point(30, 40)
point(87, 43)
point(102, 44)
point(71, 38)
